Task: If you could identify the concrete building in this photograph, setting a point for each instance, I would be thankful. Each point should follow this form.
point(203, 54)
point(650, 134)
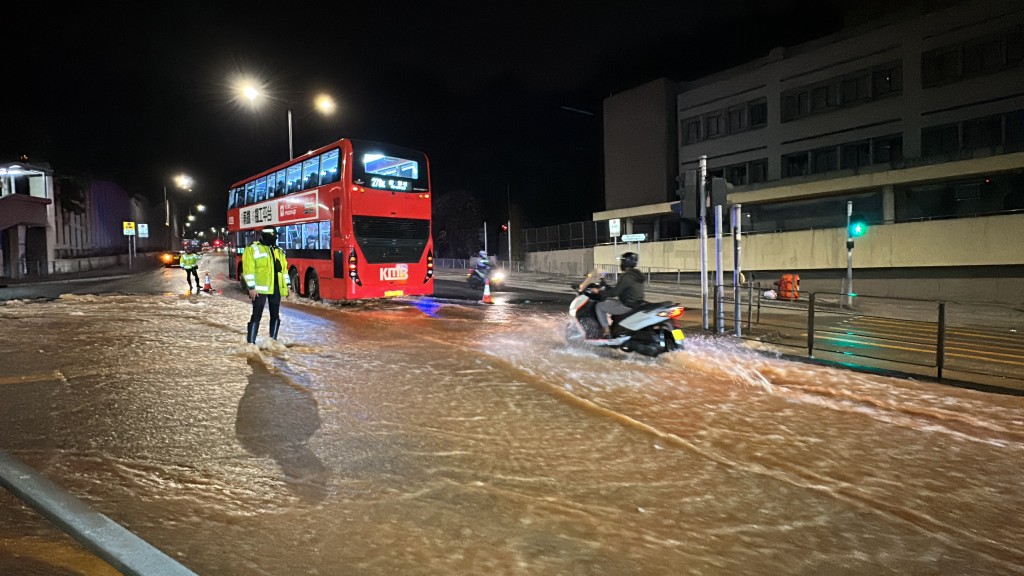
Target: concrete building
point(917, 119)
point(51, 225)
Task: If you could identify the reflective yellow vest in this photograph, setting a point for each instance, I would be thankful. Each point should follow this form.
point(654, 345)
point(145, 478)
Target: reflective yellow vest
point(189, 261)
point(258, 268)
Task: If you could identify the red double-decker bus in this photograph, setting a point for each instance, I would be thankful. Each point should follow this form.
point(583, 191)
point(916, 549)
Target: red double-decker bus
point(353, 217)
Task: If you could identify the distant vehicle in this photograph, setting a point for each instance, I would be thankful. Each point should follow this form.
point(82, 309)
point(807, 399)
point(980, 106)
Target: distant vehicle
point(353, 218)
point(171, 258)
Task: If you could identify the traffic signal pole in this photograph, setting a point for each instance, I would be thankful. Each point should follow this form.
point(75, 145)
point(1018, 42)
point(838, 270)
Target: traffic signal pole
point(849, 255)
point(702, 174)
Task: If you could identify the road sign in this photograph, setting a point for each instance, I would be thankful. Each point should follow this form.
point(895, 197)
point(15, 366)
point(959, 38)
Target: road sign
point(634, 237)
point(143, 230)
point(129, 228)
point(613, 227)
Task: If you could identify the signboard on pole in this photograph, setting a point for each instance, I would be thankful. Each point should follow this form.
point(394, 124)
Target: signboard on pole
point(143, 230)
point(129, 228)
point(634, 237)
point(613, 227)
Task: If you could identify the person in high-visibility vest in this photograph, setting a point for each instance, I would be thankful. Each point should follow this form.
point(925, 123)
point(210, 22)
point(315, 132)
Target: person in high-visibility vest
point(265, 270)
point(190, 264)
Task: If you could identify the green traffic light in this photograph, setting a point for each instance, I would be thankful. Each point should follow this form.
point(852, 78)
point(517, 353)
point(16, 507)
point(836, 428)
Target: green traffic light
point(858, 226)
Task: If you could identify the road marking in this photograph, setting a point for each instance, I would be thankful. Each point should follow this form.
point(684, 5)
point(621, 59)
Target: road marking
point(853, 343)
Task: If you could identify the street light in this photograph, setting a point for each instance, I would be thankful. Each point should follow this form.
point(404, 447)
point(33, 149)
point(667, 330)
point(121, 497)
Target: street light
point(322, 103)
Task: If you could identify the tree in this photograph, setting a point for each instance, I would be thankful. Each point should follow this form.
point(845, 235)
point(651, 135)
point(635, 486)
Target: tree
point(71, 193)
point(458, 221)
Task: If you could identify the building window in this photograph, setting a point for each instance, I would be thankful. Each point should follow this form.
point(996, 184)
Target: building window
point(855, 154)
point(737, 120)
point(757, 112)
point(983, 133)
point(854, 89)
point(795, 164)
point(714, 125)
point(1015, 46)
point(939, 140)
point(1014, 131)
point(940, 66)
point(758, 171)
point(790, 106)
point(736, 175)
point(692, 130)
point(885, 81)
point(822, 97)
point(887, 149)
point(983, 57)
point(824, 160)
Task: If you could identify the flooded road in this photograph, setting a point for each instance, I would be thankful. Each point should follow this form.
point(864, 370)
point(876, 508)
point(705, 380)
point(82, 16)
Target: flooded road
point(443, 436)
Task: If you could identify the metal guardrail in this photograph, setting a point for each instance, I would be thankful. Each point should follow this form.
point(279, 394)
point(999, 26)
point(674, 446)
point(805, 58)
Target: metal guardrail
point(120, 548)
point(973, 343)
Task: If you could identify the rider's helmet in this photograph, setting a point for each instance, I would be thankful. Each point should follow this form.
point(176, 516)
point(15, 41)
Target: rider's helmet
point(482, 254)
point(627, 261)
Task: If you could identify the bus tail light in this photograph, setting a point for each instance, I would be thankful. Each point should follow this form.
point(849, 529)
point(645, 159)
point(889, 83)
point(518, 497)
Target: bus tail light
point(353, 272)
point(430, 266)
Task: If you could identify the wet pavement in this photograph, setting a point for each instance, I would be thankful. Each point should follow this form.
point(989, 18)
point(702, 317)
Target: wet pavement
point(445, 436)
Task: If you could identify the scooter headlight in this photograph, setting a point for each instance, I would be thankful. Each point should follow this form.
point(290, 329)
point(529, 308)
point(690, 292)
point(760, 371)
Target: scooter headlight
point(498, 276)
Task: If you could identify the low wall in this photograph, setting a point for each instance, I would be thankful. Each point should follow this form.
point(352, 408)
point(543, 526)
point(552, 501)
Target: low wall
point(965, 259)
point(575, 262)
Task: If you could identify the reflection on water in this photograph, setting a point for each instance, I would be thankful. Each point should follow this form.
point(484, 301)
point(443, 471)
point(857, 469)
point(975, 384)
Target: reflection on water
point(473, 439)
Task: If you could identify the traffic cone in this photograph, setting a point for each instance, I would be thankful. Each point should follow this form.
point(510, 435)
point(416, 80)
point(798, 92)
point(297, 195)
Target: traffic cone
point(206, 285)
point(487, 292)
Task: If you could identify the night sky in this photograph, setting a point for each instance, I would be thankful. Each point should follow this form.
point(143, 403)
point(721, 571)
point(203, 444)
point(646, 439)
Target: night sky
point(493, 93)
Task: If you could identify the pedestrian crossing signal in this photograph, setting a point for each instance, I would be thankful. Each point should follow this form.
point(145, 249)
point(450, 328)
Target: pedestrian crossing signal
point(858, 226)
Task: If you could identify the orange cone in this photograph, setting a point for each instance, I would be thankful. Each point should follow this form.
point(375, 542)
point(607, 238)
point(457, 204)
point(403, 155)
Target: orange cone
point(487, 292)
point(206, 285)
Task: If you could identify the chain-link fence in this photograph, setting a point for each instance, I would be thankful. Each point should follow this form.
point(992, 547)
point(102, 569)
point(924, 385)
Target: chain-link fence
point(565, 236)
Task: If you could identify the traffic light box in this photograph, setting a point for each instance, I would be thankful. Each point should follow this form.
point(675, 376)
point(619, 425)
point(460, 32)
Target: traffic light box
point(858, 226)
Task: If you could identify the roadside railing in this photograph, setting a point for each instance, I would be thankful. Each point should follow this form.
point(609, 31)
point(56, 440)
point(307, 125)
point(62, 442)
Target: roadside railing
point(968, 342)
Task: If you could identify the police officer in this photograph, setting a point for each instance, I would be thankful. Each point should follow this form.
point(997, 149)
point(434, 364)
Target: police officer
point(190, 264)
point(265, 270)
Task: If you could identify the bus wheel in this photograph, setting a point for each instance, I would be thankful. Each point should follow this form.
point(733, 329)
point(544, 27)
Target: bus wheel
point(293, 279)
point(312, 286)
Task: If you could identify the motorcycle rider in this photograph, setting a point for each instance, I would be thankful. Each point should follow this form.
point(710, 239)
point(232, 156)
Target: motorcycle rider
point(483, 264)
point(624, 296)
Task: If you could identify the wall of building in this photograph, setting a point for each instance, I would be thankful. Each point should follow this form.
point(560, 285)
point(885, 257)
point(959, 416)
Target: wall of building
point(910, 260)
point(640, 145)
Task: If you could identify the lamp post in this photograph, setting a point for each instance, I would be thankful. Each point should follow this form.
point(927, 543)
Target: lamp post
point(322, 103)
point(183, 182)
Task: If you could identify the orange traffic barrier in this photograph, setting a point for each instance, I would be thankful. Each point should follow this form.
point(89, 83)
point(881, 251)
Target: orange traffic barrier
point(789, 287)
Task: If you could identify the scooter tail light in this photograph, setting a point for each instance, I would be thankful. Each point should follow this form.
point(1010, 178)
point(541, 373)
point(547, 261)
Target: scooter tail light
point(672, 313)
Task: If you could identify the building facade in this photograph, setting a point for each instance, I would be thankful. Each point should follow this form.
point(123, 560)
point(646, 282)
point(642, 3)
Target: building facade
point(50, 225)
point(916, 120)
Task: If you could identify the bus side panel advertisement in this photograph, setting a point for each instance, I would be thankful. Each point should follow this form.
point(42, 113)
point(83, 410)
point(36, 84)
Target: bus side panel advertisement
point(282, 211)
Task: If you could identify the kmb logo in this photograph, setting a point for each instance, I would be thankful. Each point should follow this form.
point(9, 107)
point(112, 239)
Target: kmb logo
point(398, 272)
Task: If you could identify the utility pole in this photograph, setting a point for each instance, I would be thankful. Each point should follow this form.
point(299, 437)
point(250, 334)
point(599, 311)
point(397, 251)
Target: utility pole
point(737, 268)
point(508, 200)
point(702, 174)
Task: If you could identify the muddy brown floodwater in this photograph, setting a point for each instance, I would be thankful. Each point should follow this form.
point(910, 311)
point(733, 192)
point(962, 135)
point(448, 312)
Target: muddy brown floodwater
point(442, 437)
